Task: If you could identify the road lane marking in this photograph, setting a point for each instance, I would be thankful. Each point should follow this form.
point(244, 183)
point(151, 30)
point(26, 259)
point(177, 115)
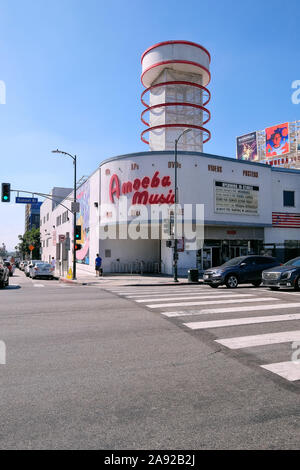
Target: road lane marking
point(288, 370)
point(213, 302)
point(241, 321)
point(249, 308)
point(38, 285)
point(260, 340)
point(226, 296)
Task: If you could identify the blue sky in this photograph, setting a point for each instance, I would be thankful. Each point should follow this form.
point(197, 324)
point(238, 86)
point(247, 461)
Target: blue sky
point(72, 71)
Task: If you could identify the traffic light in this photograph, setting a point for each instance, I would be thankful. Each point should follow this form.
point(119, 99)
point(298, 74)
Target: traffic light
point(5, 194)
point(78, 232)
point(78, 247)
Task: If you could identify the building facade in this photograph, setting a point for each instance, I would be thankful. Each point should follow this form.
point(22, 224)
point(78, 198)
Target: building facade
point(248, 208)
point(227, 207)
point(32, 216)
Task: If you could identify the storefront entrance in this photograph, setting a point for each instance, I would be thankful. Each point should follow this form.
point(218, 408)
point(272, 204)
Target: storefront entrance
point(214, 253)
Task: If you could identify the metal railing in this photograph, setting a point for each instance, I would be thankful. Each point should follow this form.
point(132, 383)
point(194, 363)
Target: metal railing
point(137, 267)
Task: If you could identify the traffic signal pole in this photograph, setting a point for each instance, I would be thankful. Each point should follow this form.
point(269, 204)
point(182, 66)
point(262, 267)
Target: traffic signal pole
point(74, 158)
point(175, 255)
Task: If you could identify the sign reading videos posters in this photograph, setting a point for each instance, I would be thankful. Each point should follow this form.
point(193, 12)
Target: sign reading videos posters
point(233, 198)
point(277, 140)
point(247, 147)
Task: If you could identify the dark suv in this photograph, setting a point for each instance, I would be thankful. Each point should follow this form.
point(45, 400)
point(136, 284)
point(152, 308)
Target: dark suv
point(241, 270)
point(286, 276)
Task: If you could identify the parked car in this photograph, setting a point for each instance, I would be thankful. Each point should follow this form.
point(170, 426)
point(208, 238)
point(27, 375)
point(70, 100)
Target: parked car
point(10, 267)
point(29, 265)
point(23, 264)
point(286, 275)
point(4, 275)
point(241, 270)
point(41, 269)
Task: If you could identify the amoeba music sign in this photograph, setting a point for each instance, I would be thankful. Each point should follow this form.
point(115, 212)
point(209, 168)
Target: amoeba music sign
point(233, 198)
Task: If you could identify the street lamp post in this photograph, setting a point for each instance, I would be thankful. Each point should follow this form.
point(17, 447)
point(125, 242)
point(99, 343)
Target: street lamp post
point(176, 202)
point(74, 158)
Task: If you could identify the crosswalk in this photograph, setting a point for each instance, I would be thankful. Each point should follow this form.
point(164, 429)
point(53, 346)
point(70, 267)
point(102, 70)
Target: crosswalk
point(229, 311)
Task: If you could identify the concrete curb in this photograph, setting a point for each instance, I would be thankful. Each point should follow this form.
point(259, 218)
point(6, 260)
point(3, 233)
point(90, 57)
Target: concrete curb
point(161, 284)
point(70, 281)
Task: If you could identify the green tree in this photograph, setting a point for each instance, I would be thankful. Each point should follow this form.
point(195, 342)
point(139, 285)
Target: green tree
point(32, 237)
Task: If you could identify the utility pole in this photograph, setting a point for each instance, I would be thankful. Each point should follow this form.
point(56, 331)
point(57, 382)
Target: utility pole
point(74, 211)
point(175, 255)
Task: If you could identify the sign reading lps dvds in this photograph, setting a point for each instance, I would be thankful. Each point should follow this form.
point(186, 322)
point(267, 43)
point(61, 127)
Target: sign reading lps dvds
point(233, 198)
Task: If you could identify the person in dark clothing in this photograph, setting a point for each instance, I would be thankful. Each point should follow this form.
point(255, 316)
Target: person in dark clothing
point(98, 263)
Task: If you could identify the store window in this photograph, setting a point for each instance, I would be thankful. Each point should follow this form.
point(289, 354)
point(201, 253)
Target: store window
point(289, 198)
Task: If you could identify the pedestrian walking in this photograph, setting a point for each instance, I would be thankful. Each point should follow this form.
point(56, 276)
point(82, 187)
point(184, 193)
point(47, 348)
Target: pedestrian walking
point(53, 263)
point(98, 268)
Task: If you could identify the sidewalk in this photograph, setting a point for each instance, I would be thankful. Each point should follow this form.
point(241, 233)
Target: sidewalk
point(108, 280)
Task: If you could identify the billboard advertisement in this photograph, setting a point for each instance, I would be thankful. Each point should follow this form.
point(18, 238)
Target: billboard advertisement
point(277, 140)
point(247, 147)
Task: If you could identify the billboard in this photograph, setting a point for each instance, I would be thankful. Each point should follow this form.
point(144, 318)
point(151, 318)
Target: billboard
point(247, 147)
point(277, 140)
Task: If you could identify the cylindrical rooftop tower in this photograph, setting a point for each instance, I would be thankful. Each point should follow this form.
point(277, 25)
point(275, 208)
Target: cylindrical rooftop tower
point(176, 74)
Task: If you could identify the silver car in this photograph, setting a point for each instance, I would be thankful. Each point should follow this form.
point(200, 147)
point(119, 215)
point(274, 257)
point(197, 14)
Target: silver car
point(29, 265)
point(41, 269)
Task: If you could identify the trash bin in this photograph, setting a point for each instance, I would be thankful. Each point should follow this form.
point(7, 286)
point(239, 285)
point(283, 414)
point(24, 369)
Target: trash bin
point(193, 275)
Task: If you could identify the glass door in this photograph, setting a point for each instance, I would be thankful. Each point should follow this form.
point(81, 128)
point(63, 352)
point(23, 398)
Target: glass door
point(206, 258)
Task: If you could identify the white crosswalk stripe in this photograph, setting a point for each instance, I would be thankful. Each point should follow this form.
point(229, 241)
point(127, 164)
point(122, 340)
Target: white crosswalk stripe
point(225, 296)
point(241, 321)
point(139, 292)
point(187, 293)
point(260, 340)
point(288, 370)
point(250, 308)
point(213, 302)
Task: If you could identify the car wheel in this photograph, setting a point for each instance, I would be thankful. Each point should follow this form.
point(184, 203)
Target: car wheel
point(231, 281)
point(7, 282)
point(274, 288)
point(256, 283)
point(297, 283)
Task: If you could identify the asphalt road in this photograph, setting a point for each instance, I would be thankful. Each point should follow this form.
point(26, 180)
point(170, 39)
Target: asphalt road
point(92, 369)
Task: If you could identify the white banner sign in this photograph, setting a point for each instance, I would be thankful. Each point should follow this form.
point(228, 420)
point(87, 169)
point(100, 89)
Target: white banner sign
point(233, 198)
